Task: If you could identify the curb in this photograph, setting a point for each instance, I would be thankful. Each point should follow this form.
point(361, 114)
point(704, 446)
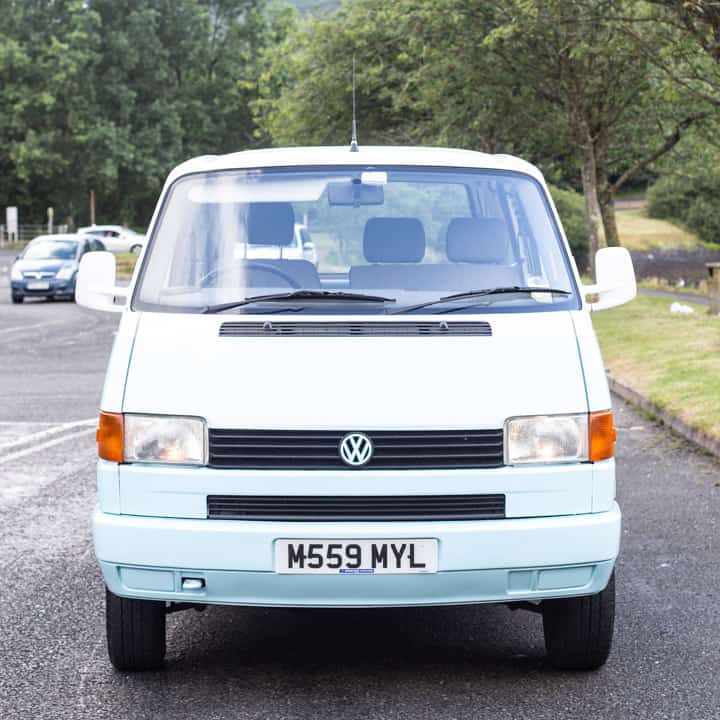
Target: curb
point(698, 437)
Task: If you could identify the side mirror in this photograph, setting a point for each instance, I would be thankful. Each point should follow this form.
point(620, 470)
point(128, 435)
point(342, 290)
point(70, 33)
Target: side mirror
point(95, 287)
point(614, 279)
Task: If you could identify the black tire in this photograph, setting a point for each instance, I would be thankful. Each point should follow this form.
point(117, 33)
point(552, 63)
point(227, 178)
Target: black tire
point(135, 633)
point(579, 631)
point(16, 298)
point(135, 249)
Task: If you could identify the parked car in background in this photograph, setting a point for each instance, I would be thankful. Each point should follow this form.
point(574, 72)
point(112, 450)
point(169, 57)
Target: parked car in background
point(48, 266)
point(116, 238)
point(301, 248)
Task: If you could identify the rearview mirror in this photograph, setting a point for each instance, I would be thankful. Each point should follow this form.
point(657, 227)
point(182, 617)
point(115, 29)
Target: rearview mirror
point(355, 194)
point(614, 279)
point(95, 287)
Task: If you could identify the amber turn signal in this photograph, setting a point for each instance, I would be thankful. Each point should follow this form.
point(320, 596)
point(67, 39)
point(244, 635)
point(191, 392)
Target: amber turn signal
point(109, 437)
point(602, 436)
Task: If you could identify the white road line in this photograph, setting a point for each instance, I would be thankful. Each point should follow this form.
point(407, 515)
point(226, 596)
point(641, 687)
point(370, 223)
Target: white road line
point(44, 446)
point(29, 327)
point(43, 434)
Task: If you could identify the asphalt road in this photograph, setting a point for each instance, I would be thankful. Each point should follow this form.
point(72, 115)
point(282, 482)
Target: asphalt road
point(467, 662)
point(677, 296)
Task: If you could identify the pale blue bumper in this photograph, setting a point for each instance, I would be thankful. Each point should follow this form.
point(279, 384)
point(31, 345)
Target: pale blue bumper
point(479, 561)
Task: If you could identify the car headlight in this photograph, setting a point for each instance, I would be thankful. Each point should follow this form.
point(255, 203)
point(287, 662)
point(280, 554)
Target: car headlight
point(164, 439)
point(15, 273)
point(547, 439)
point(65, 273)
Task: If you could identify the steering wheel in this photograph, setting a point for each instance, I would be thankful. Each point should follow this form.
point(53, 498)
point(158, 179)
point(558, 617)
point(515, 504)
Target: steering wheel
point(254, 267)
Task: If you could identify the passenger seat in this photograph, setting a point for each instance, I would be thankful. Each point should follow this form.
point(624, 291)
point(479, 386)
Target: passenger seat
point(394, 246)
point(481, 250)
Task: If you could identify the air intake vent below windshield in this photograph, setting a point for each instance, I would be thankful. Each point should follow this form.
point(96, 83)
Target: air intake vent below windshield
point(390, 328)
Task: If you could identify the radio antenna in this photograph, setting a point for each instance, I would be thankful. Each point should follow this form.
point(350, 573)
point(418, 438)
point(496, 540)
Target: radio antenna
point(353, 140)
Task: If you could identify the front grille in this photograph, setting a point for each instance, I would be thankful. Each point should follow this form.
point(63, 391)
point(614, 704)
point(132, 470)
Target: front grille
point(392, 450)
point(394, 328)
point(396, 507)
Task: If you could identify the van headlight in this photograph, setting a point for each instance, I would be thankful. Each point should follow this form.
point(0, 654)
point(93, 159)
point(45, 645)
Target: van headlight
point(16, 273)
point(164, 439)
point(546, 439)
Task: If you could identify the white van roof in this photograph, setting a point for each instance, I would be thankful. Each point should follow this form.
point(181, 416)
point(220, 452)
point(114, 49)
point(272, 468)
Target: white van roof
point(368, 155)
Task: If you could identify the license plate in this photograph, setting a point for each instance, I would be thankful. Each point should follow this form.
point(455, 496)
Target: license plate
point(356, 557)
point(38, 286)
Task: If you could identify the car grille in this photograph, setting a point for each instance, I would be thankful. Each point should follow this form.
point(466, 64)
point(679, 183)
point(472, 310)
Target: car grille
point(392, 450)
point(372, 507)
point(394, 328)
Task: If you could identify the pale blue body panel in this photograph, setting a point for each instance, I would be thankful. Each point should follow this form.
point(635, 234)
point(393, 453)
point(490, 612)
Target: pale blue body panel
point(479, 561)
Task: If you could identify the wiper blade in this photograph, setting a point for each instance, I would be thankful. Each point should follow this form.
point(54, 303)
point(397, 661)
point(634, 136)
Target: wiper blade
point(299, 295)
point(481, 293)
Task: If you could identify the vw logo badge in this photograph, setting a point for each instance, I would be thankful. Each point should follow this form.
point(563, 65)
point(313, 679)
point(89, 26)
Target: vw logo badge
point(356, 449)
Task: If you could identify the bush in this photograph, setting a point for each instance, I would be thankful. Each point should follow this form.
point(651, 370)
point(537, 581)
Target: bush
point(692, 201)
point(571, 207)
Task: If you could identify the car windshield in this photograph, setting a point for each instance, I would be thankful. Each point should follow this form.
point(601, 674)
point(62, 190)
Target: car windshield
point(51, 250)
point(415, 235)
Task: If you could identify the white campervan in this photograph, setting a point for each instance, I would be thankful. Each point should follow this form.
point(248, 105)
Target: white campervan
point(448, 437)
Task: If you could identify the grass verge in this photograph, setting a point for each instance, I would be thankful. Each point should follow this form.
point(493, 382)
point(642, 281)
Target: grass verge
point(125, 264)
point(639, 232)
point(673, 360)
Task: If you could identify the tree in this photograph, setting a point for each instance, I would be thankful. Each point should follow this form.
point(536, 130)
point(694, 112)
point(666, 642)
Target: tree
point(557, 81)
point(110, 94)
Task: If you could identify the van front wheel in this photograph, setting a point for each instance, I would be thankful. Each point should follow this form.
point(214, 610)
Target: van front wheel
point(578, 631)
point(135, 633)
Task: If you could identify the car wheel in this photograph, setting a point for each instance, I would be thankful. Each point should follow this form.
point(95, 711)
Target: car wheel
point(578, 631)
point(16, 298)
point(135, 633)
point(136, 249)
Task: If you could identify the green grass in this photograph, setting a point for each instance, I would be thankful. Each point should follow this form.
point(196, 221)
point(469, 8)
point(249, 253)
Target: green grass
point(673, 360)
point(639, 232)
point(125, 264)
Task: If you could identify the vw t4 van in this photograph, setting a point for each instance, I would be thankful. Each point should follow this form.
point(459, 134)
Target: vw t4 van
point(418, 415)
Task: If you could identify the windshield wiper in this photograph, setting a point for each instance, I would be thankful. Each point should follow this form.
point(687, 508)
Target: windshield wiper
point(300, 295)
point(481, 293)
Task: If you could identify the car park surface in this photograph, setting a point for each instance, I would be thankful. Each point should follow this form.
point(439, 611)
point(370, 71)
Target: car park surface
point(464, 662)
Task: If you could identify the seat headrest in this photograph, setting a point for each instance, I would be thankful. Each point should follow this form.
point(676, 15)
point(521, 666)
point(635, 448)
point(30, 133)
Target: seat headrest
point(477, 240)
point(394, 240)
point(270, 223)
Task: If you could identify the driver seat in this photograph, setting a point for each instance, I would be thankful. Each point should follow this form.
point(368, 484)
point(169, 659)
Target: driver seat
point(272, 224)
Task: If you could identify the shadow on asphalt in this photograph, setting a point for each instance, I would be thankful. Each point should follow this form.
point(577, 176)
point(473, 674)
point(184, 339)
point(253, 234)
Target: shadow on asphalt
point(467, 638)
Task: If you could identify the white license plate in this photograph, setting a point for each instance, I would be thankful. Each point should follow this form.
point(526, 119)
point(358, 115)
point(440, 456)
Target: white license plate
point(356, 557)
point(38, 286)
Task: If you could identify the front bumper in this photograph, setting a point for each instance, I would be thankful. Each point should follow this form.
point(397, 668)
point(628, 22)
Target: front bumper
point(56, 288)
point(480, 561)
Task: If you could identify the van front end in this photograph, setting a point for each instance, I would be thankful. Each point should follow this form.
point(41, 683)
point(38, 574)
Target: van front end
point(417, 415)
point(192, 542)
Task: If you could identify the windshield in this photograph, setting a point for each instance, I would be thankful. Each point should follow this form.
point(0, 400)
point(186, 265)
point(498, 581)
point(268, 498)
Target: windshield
point(51, 250)
point(414, 235)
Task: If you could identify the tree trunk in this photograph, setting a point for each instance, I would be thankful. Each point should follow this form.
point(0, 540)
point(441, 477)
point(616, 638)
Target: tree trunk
point(596, 236)
point(605, 190)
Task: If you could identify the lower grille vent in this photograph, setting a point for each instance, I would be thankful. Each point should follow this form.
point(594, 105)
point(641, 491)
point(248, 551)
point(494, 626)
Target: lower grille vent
point(366, 507)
